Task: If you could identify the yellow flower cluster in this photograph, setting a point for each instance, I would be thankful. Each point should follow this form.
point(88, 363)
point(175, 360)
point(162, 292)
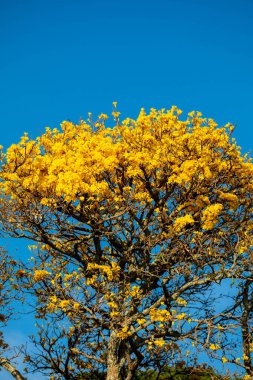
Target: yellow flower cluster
point(210, 216)
point(180, 301)
point(40, 275)
point(124, 333)
point(52, 304)
point(114, 314)
point(91, 280)
point(214, 347)
point(232, 199)
point(159, 315)
point(182, 221)
point(64, 304)
point(76, 306)
point(181, 316)
point(141, 321)
point(159, 342)
point(185, 173)
point(134, 292)
point(112, 305)
point(112, 271)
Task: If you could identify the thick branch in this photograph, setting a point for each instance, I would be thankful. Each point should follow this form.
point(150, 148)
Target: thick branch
point(5, 363)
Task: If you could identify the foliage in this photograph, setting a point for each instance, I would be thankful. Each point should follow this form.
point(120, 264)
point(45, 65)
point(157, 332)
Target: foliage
point(133, 225)
point(181, 372)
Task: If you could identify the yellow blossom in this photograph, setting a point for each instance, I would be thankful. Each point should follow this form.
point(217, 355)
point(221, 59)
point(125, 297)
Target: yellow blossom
point(214, 347)
point(40, 275)
point(141, 321)
point(210, 215)
point(180, 301)
point(181, 316)
point(124, 333)
point(64, 304)
point(182, 221)
point(159, 315)
point(76, 305)
point(114, 314)
point(159, 342)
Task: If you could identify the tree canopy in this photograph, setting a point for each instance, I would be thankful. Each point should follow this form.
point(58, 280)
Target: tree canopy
point(133, 225)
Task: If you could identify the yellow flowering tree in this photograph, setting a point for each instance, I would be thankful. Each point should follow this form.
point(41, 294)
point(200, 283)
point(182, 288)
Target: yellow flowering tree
point(133, 225)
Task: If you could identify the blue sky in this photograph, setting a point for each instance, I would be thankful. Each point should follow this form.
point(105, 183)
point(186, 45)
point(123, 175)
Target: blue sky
point(61, 59)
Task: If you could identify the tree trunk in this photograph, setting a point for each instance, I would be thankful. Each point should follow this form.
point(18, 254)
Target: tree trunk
point(130, 375)
point(246, 335)
point(113, 361)
point(11, 369)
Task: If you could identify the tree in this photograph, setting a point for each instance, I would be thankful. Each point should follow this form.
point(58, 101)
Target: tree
point(239, 314)
point(7, 266)
point(133, 224)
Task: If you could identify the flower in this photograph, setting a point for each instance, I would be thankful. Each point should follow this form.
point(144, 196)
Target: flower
point(141, 321)
point(159, 342)
point(40, 275)
point(182, 221)
point(214, 347)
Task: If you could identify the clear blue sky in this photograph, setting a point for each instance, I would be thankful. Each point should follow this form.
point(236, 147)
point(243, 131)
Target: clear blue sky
point(61, 59)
